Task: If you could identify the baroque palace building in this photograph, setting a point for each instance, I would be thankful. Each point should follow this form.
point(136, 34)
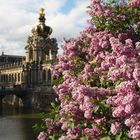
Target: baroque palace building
point(33, 69)
point(31, 72)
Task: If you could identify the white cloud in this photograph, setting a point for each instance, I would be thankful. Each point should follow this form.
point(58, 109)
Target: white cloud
point(17, 18)
point(68, 25)
point(53, 6)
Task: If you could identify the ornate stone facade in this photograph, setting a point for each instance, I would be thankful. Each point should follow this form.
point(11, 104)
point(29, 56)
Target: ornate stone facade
point(32, 71)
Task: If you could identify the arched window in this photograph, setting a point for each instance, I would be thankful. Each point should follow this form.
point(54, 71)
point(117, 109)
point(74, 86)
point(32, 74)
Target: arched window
point(30, 77)
point(10, 78)
point(15, 77)
point(22, 78)
point(44, 75)
point(49, 75)
point(18, 77)
point(2, 78)
point(6, 78)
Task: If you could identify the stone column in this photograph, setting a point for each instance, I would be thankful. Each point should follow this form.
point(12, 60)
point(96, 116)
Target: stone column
point(40, 55)
point(27, 55)
point(24, 77)
point(35, 73)
point(29, 77)
point(21, 77)
point(40, 76)
point(47, 57)
point(50, 54)
point(32, 76)
point(36, 76)
point(46, 75)
point(35, 54)
point(0, 78)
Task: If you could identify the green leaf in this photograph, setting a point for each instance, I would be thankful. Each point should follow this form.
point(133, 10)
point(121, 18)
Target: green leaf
point(84, 138)
point(72, 124)
point(96, 109)
point(51, 137)
point(83, 125)
point(35, 126)
point(53, 105)
point(118, 137)
point(42, 115)
point(104, 105)
point(106, 138)
point(57, 80)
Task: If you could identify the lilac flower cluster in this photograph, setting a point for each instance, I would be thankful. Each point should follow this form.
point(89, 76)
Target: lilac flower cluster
point(134, 3)
point(99, 94)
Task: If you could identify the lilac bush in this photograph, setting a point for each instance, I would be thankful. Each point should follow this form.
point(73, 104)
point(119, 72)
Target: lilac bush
point(97, 78)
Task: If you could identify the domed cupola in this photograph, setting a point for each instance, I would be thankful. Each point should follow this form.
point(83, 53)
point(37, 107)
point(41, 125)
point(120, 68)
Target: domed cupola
point(42, 29)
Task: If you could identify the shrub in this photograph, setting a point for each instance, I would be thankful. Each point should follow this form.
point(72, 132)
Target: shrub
point(98, 81)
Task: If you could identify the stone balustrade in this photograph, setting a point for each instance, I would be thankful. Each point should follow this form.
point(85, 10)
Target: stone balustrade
point(11, 65)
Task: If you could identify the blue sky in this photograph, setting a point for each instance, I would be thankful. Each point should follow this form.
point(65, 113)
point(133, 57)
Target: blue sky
point(68, 6)
point(18, 17)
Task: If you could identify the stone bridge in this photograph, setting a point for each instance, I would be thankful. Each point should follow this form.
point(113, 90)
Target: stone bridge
point(37, 97)
point(18, 93)
point(12, 91)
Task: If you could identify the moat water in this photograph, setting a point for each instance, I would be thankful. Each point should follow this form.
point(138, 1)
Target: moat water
point(16, 123)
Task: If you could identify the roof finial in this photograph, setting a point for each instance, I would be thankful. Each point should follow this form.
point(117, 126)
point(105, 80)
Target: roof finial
point(42, 12)
point(42, 16)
